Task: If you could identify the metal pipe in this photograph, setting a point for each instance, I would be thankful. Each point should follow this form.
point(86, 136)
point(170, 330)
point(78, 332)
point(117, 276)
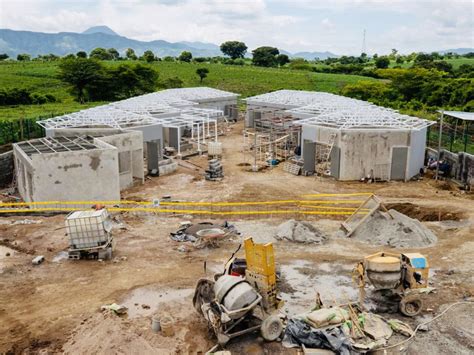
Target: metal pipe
point(179, 141)
point(215, 127)
point(439, 143)
point(199, 138)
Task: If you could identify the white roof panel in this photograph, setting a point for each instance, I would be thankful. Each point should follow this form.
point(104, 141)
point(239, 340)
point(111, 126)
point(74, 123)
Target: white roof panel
point(466, 116)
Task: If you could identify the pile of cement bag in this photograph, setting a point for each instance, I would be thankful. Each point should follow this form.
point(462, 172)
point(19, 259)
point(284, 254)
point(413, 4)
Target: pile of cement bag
point(335, 329)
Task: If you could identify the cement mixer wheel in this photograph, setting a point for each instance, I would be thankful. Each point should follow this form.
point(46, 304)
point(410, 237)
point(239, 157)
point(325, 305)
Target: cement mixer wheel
point(411, 306)
point(271, 328)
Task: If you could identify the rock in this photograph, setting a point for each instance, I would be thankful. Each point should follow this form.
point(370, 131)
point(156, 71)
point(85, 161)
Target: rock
point(423, 328)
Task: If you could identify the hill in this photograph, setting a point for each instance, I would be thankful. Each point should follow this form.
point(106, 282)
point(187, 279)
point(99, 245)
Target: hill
point(62, 43)
point(100, 29)
point(38, 43)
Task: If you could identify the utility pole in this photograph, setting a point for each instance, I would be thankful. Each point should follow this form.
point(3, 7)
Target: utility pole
point(363, 44)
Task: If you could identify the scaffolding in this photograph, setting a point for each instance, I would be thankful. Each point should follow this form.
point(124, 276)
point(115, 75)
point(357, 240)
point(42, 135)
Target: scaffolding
point(272, 139)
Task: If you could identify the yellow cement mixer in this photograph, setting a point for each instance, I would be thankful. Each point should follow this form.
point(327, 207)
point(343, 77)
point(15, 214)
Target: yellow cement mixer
point(404, 275)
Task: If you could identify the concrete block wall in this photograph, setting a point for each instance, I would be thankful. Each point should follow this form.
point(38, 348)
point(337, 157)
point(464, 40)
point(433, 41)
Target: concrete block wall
point(6, 169)
point(130, 144)
point(462, 164)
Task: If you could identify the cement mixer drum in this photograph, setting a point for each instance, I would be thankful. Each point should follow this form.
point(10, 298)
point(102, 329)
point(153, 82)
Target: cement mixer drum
point(234, 293)
point(383, 271)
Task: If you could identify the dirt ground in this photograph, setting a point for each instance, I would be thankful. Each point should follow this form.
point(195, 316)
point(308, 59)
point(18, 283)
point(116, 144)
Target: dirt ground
point(55, 306)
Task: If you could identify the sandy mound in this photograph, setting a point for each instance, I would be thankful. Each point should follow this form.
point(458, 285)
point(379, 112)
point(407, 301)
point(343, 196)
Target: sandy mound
point(394, 229)
point(300, 232)
point(106, 333)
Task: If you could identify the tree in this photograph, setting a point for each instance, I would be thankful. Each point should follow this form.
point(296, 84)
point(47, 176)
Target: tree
point(23, 57)
point(382, 62)
point(128, 80)
point(114, 54)
point(68, 56)
point(282, 59)
point(234, 49)
point(202, 73)
point(100, 53)
point(3, 56)
point(80, 73)
point(130, 54)
point(185, 56)
point(393, 55)
point(148, 56)
point(81, 54)
point(265, 56)
point(171, 83)
point(168, 59)
point(423, 57)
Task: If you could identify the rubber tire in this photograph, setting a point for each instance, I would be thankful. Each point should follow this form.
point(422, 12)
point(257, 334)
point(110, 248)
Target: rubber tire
point(271, 328)
point(411, 306)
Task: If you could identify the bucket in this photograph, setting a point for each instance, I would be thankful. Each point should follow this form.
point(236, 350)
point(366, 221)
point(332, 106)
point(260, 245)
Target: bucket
point(167, 326)
point(155, 324)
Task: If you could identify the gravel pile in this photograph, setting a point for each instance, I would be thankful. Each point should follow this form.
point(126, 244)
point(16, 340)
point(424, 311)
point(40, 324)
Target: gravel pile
point(394, 229)
point(300, 232)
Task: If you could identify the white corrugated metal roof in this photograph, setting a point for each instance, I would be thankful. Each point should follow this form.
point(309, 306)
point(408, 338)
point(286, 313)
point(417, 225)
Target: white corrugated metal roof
point(466, 116)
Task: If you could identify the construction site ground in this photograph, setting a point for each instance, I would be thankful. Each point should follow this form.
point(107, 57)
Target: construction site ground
point(55, 306)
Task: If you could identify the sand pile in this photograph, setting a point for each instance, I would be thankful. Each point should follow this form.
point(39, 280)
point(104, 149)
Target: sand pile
point(394, 229)
point(107, 333)
point(300, 232)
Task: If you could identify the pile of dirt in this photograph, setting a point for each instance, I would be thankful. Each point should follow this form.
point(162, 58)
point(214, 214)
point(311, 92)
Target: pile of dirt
point(426, 214)
point(108, 333)
point(394, 229)
point(300, 232)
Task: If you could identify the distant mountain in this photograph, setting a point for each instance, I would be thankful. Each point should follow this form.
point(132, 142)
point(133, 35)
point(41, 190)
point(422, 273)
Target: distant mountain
point(100, 29)
point(38, 43)
point(460, 51)
point(312, 55)
point(62, 43)
point(201, 45)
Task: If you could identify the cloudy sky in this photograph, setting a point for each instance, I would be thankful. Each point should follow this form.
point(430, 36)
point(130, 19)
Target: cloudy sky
point(294, 25)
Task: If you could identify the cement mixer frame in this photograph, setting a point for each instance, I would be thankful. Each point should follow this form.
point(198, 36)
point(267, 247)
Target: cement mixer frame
point(413, 277)
point(227, 324)
point(259, 275)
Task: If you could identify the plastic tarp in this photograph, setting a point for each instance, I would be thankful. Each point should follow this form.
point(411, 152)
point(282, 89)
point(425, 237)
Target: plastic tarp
point(299, 333)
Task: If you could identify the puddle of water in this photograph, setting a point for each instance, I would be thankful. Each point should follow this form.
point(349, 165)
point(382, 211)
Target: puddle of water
point(62, 255)
point(152, 297)
point(331, 287)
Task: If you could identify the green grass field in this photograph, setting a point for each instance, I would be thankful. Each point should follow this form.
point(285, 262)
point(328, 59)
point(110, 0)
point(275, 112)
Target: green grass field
point(246, 80)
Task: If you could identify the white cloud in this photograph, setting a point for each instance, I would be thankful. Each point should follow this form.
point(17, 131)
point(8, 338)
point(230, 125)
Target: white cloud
point(294, 25)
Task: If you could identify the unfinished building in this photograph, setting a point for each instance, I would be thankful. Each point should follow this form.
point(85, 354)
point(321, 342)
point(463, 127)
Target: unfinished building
point(165, 117)
point(76, 168)
point(344, 138)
